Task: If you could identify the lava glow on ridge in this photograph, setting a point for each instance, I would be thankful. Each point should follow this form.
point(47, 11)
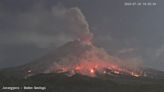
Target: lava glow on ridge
point(92, 69)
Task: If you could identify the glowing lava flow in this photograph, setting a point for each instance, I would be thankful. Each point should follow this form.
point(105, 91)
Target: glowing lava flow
point(92, 69)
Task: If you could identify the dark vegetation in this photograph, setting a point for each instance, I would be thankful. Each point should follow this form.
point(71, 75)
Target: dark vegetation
point(78, 83)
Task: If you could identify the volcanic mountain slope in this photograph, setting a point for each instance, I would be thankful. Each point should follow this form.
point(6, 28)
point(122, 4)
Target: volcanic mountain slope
point(68, 54)
point(78, 57)
point(46, 61)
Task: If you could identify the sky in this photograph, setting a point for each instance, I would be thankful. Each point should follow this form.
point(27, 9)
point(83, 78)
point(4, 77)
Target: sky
point(30, 29)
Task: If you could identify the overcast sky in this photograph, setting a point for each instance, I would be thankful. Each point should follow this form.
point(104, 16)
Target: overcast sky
point(32, 28)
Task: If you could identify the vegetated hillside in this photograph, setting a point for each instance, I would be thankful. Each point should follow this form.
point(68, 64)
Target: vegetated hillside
point(78, 83)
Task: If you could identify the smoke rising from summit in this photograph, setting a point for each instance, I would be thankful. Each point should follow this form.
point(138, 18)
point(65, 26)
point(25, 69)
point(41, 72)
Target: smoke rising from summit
point(76, 21)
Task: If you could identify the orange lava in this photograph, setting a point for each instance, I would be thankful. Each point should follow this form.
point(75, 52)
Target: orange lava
point(92, 68)
point(92, 71)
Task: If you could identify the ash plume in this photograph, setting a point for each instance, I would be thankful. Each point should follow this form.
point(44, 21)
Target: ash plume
point(76, 22)
point(81, 25)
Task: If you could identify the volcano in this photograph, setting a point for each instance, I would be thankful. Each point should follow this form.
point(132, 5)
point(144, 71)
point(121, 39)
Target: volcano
point(80, 57)
point(81, 66)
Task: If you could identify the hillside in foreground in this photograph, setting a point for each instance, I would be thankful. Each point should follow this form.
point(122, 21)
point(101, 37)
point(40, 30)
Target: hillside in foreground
point(62, 83)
